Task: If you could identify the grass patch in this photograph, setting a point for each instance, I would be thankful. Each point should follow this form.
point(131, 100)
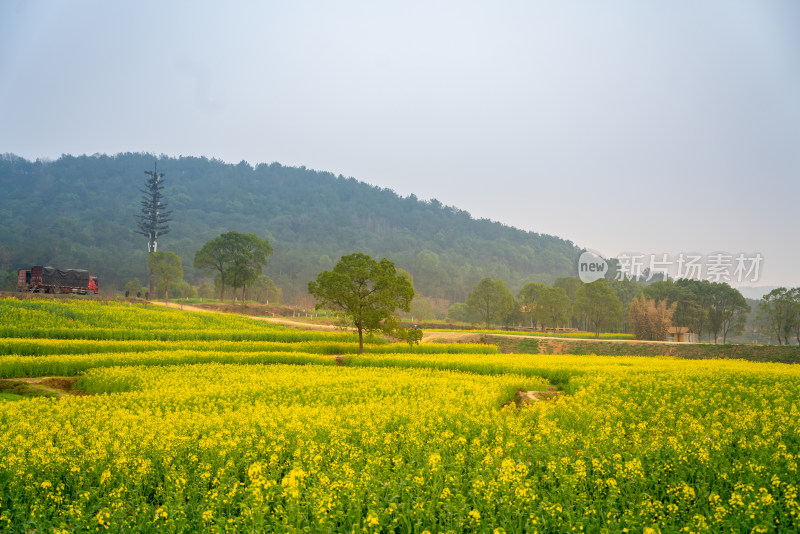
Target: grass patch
point(22, 390)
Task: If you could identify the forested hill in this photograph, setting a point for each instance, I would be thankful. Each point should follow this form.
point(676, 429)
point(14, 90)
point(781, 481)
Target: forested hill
point(79, 212)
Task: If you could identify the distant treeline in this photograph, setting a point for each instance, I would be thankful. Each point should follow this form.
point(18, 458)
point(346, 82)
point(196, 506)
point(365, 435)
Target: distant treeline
point(79, 212)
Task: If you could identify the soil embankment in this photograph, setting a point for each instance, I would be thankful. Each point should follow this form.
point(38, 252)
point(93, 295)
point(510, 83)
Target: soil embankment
point(42, 386)
point(542, 345)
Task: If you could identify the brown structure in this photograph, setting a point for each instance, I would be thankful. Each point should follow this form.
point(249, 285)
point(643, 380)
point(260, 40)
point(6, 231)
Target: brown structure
point(682, 334)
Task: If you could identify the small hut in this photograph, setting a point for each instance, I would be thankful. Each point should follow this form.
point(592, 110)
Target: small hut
point(682, 334)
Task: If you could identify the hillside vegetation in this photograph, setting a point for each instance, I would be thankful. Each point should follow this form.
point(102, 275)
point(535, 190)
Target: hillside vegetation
point(80, 212)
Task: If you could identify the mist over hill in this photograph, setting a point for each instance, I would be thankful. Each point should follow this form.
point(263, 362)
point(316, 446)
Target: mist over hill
point(79, 212)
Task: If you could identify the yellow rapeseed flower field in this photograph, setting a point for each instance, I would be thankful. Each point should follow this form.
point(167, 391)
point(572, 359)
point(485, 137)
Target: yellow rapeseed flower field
point(186, 440)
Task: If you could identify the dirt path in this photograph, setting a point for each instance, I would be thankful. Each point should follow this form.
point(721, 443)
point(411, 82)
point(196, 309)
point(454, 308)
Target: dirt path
point(529, 397)
point(60, 386)
point(276, 320)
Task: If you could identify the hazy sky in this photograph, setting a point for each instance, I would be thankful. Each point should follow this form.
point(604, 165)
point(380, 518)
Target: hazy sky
point(652, 127)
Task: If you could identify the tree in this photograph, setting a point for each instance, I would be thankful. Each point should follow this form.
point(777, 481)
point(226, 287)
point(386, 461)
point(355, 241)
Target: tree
point(553, 306)
point(528, 297)
point(247, 254)
point(167, 268)
point(459, 312)
point(599, 304)
point(264, 290)
point(795, 296)
point(514, 316)
point(570, 284)
point(184, 290)
point(238, 258)
point(626, 291)
point(693, 299)
point(133, 287)
point(650, 320)
point(779, 311)
point(367, 293)
point(8, 281)
point(490, 300)
point(422, 309)
point(154, 218)
point(727, 309)
point(205, 290)
point(214, 256)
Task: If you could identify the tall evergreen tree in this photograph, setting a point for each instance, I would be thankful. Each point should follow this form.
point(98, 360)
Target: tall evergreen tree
point(154, 218)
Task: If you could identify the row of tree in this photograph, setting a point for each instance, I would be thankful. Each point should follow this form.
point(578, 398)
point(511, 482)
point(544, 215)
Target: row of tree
point(779, 314)
point(238, 259)
point(365, 293)
point(491, 302)
point(359, 283)
point(716, 309)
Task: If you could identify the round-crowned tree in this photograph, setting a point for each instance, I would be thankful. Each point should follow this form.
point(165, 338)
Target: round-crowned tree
point(366, 292)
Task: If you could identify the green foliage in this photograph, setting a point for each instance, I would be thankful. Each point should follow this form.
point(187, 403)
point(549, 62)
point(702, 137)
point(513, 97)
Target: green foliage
point(214, 256)
point(553, 307)
point(133, 287)
point(167, 268)
point(77, 211)
point(599, 304)
point(461, 313)
point(412, 336)
point(422, 309)
point(184, 290)
point(8, 281)
point(321, 343)
point(529, 297)
point(247, 256)
point(366, 292)
point(205, 291)
point(779, 314)
point(153, 221)
point(84, 319)
point(491, 301)
point(626, 291)
point(704, 306)
point(10, 396)
point(529, 346)
point(238, 258)
point(263, 290)
point(727, 310)
point(570, 284)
